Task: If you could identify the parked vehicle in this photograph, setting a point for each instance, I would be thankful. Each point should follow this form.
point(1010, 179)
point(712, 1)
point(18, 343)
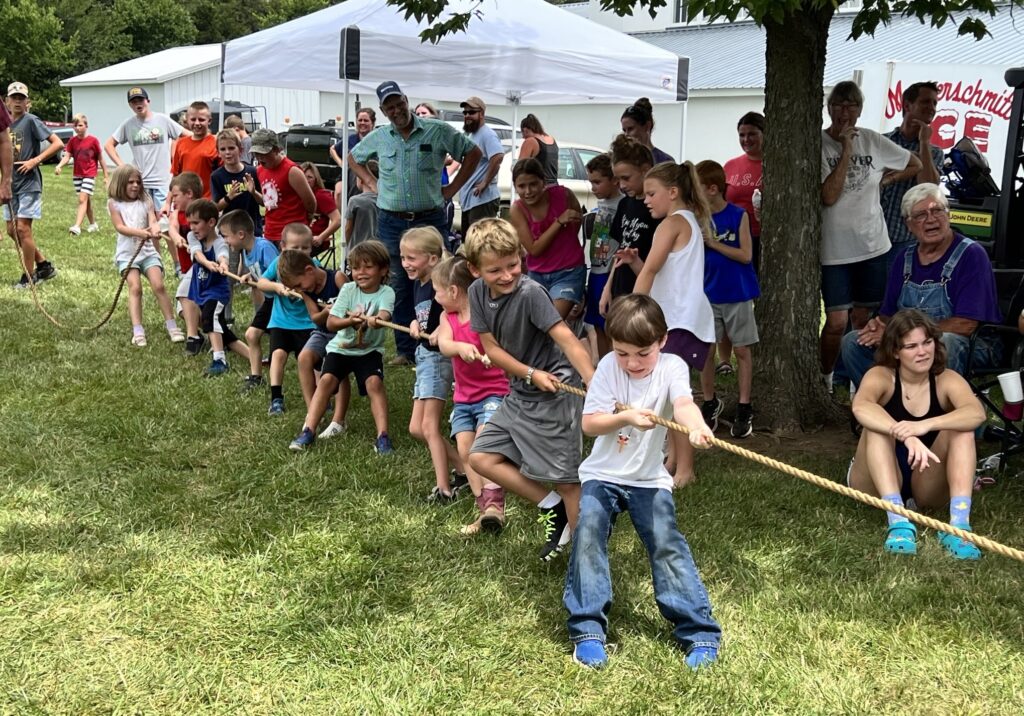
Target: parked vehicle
point(253, 117)
point(64, 134)
point(312, 143)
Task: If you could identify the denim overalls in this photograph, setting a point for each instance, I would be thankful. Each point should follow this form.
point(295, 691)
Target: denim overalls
point(930, 298)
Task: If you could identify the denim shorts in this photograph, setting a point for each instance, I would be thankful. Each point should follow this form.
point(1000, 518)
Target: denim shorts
point(433, 375)
point(143, 266)
point(27, 205)
point(565, 284)
point(470, 417)
point(860, 284)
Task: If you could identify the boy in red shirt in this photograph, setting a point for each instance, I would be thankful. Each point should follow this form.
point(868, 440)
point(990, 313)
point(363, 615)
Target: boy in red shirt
point(284, 191)
point(197, 154)
point(85, 150)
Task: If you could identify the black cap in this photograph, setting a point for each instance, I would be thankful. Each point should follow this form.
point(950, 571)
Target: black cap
point(137, 93)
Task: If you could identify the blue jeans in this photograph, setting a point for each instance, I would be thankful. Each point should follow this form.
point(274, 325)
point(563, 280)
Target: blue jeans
point(678, 591)
point(858, 359)
point(390, 229)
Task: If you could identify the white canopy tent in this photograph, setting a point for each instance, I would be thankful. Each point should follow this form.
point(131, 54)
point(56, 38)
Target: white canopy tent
point(513, 51)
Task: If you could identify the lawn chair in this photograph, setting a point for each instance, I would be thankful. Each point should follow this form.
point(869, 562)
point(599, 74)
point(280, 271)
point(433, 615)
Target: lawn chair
point(1008, 433)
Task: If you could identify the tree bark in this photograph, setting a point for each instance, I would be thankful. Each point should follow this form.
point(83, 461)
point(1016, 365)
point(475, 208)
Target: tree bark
point(787, 384)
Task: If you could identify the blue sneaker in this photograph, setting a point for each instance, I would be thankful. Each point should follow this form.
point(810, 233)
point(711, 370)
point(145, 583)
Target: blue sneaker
point(218, 367)
point(382, 446)
point(590, 653)
point(276, 407)
point(701, 657)
point(304, 440)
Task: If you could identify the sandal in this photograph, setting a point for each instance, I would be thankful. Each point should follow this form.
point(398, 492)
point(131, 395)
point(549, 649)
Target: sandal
point(959, 548)
point(901, 538)
point(439, 497)
point(723, 368)
point(139, 340)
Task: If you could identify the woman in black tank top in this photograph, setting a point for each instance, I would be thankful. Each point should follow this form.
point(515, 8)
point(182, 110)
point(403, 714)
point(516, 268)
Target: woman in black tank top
point(542, 146)
point(918, 439)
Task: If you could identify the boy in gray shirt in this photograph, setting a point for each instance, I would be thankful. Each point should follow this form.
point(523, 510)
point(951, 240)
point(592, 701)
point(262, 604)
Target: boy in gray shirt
point(535, 435)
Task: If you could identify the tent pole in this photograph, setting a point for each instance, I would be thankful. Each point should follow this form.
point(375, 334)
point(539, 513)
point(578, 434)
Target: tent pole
point(220, 113)
point(344, 165)
point(682, 134)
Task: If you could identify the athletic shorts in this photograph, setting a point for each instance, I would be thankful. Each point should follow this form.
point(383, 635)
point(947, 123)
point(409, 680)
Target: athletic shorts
point(735, 321)
point(143, 265)
point(688, 347)
point(288, 340)
point(261, 319)
point(433, 375)
point(26, 205)
point(317, 344)
point(362, 366)
point(183, 285)
point(84, 185)
point(543, 438)
point(470, 417)
point(214, 321)
point(595, 286)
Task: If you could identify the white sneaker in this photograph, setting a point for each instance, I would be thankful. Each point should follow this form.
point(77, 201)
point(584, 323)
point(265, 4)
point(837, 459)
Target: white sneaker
point(93, 228)
point(75, 230)
point(333, 429)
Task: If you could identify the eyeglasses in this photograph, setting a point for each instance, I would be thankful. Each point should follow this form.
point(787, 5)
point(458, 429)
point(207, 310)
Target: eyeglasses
point(920, 217)
point(844, 106)
point(470, 112)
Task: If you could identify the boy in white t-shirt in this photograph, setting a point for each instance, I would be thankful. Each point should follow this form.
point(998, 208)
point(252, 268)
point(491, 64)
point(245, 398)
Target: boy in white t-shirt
point(625, 472)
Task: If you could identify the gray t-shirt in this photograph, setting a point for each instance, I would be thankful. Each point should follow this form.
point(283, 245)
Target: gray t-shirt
point(150, 140)
point(27, 134)
point(245, 156)
point(520, 323)
point(362, 209)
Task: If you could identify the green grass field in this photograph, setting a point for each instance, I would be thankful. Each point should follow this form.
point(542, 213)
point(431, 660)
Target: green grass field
point(163, 552)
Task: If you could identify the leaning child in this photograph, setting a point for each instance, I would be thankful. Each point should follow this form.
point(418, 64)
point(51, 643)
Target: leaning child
point(625, 473)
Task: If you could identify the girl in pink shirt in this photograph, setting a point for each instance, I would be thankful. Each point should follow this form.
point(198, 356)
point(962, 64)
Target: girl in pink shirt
point(547, 220)
point(479, 386)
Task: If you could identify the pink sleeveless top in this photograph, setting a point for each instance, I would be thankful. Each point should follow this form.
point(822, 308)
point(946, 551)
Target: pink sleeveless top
point(473, 381)
point(565, 251)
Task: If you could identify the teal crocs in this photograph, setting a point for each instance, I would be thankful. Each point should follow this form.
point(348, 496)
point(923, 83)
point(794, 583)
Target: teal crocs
point(959, 548)
point(901, 538)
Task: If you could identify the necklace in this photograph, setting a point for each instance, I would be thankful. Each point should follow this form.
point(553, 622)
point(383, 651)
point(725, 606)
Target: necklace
point(625, 434)
point(910, 395)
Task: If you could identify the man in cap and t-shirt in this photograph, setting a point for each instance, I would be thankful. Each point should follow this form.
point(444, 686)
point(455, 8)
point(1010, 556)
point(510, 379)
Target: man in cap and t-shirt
point(411, 153)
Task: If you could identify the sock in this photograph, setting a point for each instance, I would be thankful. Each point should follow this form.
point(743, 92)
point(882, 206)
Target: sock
point(550, 501)
point(138, 330)
point(193, 338)
point(220, 355)
point(276, 391)
point(960, 511)
point(171, 325)
point(895, 499)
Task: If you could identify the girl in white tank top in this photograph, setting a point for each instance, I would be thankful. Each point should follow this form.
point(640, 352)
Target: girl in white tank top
point(673, 274)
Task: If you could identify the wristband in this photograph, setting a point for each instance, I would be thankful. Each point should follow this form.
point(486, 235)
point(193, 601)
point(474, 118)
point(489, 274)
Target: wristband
point(529, 376)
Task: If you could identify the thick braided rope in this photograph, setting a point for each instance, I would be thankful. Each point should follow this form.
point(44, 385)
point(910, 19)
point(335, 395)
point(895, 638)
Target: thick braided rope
point(117, 293)
point(924, 520)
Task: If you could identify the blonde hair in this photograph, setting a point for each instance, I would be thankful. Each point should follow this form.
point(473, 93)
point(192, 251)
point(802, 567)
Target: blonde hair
point(229, 135)
point(685, 179)
point(424, 239)
point(299, 231)
point(491, 236)
point(453, 271)
point(119, 178)
point(80, 118)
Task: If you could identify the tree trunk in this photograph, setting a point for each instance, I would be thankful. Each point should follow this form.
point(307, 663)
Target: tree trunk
point(788, 389)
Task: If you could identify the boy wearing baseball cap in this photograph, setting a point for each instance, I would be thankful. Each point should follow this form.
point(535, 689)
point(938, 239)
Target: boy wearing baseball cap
point(27, 133)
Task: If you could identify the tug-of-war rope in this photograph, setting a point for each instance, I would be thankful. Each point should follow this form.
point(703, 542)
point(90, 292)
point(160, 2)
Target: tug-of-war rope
point(923, 520)
point(32, 282)
point(862, 497)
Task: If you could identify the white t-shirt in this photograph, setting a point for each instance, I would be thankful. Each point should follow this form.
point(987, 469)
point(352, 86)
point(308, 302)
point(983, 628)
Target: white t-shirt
point(150, 140)
point(631, 456)
point(853, 229)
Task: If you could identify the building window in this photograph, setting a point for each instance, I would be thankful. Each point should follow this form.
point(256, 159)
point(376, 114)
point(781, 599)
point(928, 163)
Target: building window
point(679, 14)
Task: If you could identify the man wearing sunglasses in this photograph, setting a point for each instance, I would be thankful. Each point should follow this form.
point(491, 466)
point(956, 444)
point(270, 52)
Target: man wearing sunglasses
point(410, 153)
point(479, 196)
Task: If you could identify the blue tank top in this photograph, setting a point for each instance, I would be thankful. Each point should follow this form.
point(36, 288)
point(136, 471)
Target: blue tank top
point(727, 280)
point(206, 285)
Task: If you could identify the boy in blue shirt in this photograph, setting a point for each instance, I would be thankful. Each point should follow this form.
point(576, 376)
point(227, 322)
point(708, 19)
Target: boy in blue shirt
point(238, 230)
point(209, 288)
point(290, 325)
point(730, 284)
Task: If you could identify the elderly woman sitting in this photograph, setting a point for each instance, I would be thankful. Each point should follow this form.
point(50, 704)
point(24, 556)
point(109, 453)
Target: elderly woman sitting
point(918, 439)
point(944, 275)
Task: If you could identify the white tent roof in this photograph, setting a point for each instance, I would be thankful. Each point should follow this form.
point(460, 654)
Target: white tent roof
point(161, 66)
point(528, 47)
